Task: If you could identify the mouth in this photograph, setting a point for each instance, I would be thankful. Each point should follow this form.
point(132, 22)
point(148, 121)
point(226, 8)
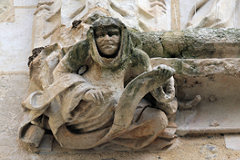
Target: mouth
point(108, 47)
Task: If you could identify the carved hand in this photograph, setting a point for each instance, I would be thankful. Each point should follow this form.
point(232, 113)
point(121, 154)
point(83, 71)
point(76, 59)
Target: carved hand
point(94, 95)
point(166, 70)
point(168, 95)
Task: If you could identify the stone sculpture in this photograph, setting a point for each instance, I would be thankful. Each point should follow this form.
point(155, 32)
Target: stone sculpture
point(99, 93)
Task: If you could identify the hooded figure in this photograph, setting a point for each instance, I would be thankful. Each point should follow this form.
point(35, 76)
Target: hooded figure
point(96, 98)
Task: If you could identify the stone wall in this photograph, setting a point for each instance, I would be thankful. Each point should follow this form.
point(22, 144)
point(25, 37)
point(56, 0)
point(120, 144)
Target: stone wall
point(16, 19)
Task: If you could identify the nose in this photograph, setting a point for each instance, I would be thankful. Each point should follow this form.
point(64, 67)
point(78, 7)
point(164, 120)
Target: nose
point(107, 36)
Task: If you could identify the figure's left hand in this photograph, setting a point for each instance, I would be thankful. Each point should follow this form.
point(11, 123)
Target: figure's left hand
point(94, 95)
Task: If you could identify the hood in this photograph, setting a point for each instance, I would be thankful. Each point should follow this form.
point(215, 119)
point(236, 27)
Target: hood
point(124, 49)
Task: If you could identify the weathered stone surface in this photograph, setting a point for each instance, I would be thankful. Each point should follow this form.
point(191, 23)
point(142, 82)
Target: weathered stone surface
point(6, 11)
point(9, 148)
point(232, 141)
point(141, 15)
point(10, 106)
point(202, 67)
point(25, 3)
point(34, 135)
point(10, 117)
point(47, 20)
point(16, 41)
point(209, 151)
point(217, 82)
point(46, 145)
point(193, 43)
point(99, 108)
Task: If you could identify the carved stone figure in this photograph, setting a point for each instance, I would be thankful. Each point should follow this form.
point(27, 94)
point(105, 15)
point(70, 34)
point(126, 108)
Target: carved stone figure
point(100, 93)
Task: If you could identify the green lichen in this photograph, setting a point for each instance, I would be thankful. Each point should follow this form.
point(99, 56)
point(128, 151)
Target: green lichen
point(151, 44)
point(192, 43)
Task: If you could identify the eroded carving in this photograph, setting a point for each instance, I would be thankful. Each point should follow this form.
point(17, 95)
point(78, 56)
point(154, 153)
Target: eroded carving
point(100, 93)
point(6, 11)
point(47, 21)
point(214, 14)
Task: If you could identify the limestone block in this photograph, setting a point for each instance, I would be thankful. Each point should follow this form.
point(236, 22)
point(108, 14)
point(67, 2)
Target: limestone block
point(25, 2)
point(11, 95)
point(16, 41)
point(192, 43)
point(232, 141)
point(6, 11)
point(202, 67)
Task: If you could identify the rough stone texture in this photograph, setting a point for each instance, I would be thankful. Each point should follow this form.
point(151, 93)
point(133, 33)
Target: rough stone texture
point(232, 141)
point(10, 149)
point(6, 11)
point(109, 109)
point(11, 112)
point(192, 43)
point(46, 144)
point(217, 81)
point(47, 19)
point(142, 15)
point(10, 106)
point(202, 67)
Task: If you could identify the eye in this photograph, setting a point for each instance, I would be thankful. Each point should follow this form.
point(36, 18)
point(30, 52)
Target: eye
point(99, 34)
point(111, 33)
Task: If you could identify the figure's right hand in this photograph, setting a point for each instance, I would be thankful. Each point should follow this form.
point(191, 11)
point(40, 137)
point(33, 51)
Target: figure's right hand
point(166, 71)
point(94, 95)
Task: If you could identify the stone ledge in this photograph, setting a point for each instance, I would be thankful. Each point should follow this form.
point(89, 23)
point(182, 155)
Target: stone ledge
point(23, 72)
point(217, 82)
point(201, 67)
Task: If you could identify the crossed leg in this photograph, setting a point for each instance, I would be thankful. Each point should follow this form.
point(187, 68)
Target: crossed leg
point(147, 124)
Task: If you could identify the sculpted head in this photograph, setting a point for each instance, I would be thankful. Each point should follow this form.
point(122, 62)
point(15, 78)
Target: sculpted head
point(107, 34)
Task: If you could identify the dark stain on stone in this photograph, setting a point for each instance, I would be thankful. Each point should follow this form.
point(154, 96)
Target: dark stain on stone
point(76, 23)
point(35, 53)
